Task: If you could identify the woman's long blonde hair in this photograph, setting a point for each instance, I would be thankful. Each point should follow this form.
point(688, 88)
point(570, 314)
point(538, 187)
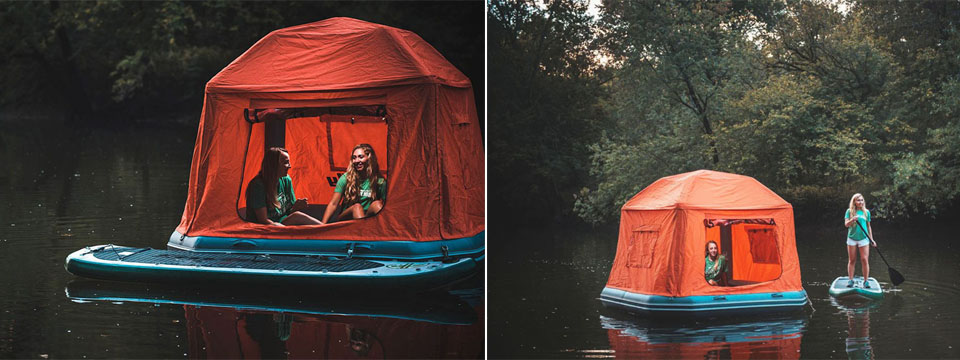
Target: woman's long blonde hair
point(853, 204)
point(354, 179)
point(270, 173)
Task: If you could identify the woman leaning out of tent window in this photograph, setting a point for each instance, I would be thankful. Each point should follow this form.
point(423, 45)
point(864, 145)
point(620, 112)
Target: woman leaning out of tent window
point(270, 195)
point(715, 267)
point(361, 191)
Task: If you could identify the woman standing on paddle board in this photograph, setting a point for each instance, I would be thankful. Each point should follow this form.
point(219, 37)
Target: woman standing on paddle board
point(360, 191)
point(857, 239)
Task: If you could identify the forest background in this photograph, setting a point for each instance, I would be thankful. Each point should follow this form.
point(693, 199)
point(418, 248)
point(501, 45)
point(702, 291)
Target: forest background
point(81, 64)
point(815, 99)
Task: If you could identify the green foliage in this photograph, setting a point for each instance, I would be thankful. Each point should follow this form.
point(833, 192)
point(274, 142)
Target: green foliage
point(928, 182)
point(544, 77)
point(123, 59)
point(815, 103)
point(784, 136)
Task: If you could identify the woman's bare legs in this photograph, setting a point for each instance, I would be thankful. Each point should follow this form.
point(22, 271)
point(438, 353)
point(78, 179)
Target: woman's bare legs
point(299, 218)
point(374, 208)
point(851, 260)
point(865, 261)
point(354, 211)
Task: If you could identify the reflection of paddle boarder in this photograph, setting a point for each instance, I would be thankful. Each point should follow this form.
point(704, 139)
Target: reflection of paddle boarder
point(859, 236)
point(858, 334)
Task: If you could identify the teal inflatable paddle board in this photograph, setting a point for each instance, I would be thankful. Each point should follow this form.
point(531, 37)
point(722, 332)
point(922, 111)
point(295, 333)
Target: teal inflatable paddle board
point(840, 290)
point(120, 263)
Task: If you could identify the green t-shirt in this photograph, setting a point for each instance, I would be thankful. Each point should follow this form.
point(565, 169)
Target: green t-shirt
point(711, 273)
point(366, 194)
point(857, 232)
point(257, 198)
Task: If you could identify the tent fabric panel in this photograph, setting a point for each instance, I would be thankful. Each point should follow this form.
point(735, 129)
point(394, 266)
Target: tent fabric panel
point(196, 173)
point(223, 157)
point(342, 137)
point(744, 264)
point(646, 280)
point(252, 163)
point(307, 142)
point(642, 247)
point(659, 195)
point(763, 244)
point(336, 54)
point(462, 162)
point(705, 190)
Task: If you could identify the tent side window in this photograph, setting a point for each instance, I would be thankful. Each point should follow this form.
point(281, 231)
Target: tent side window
point(643, 242)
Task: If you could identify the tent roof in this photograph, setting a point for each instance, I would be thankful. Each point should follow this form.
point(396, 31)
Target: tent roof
point(336, 54)
point(706, 189)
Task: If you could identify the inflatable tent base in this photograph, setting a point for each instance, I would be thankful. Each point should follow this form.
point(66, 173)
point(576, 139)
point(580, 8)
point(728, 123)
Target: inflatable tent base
point(704, 305)
point(472, 247)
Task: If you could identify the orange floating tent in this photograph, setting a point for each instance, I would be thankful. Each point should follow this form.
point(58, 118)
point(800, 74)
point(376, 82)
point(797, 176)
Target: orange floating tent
point(664, 231)
point(362, 83)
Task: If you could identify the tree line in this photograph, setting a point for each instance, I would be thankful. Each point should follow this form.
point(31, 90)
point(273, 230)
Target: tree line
point(815, 99)
point(107, 62)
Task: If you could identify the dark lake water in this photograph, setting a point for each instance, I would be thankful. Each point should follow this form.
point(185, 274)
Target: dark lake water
point(544, 284)
point(61, 191)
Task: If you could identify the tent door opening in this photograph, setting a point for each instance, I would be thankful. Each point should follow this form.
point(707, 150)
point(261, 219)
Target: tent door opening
point(750, 247)
point(320, 141)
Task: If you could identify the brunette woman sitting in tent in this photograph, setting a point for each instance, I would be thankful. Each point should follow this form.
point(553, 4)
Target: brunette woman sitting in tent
point(361, 191)
point(270, 197)
point(715, 270)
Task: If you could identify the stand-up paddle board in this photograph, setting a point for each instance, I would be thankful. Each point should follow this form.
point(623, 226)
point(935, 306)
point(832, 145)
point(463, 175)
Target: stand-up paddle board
point(109, 262)
point(858, 290)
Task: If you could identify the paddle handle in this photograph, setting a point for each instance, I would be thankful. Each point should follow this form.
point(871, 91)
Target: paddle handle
point(876, 246)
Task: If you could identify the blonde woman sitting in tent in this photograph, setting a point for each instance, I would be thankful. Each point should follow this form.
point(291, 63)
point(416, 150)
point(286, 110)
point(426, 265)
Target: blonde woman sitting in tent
point(270, 197)
point(361, 191)
point(715, 269)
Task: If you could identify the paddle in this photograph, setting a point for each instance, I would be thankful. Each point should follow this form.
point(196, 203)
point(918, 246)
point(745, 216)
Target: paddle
point(895, 276)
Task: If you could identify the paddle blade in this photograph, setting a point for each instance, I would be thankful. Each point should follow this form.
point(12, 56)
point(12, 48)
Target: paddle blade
point(895, 276)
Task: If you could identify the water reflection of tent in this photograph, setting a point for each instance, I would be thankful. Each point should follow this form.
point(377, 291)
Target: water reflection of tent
point(367, 83)
point(777, 338)
point(230, 333)
point(659, 266)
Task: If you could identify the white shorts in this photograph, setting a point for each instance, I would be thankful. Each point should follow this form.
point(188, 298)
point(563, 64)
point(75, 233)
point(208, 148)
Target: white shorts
point(860, 243)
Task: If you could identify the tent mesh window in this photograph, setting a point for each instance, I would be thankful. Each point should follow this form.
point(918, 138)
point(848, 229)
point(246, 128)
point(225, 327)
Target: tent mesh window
point(643, 241)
